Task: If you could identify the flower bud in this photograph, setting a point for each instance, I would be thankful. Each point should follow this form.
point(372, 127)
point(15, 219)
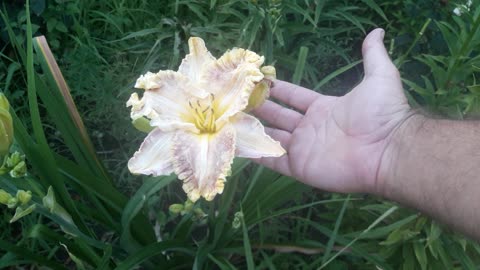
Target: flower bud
point(237, 220)
point(20, 170)
point(142, 124)
point(176, 208)
point(4, 197)
point(14, 159)
point(269, 72)
point(6, 125)
point(24, 196)
point(12, 202)
point(188, 206)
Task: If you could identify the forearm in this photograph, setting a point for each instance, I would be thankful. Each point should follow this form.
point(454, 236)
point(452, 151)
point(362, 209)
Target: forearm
point(434, 166)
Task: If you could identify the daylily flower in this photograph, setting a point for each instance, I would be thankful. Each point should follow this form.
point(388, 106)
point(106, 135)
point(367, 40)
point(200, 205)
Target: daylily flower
point(198, 119)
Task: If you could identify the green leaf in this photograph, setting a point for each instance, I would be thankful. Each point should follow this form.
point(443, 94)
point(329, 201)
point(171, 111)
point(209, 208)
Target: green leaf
point(374, 6)
point(333, 236)
point(336, 73)
point(246, 245)
point(136, 203)
point(375, 223)
point(421, 255)
point(300, 67)
point(51, 204)
point(75, 259)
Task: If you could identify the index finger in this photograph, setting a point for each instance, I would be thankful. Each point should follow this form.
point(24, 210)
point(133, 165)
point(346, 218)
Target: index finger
point(293, 95)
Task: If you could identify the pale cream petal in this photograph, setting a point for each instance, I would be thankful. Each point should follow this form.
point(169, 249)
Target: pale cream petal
point(203, 161)
point(154, 155)
point(196, 60)
point(165, 99)
point(231, 79)
point(169, 124)
point(252, 141)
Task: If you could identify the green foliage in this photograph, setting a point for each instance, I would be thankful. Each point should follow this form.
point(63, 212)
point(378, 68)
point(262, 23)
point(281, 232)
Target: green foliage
point(78, 215)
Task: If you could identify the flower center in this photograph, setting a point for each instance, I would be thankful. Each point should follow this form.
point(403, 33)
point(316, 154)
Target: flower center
point(204, 115)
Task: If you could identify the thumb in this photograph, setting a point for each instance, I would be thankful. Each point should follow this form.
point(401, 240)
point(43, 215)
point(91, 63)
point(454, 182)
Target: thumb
point(375, 57)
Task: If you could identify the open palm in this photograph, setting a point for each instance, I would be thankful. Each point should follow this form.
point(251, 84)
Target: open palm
point(337, 143)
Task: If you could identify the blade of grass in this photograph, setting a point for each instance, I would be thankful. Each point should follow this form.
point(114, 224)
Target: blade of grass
point(32, 258)
point(333, 236)
point(300, 67)
point(247, 247)
point(377, 221)
point(334, 74)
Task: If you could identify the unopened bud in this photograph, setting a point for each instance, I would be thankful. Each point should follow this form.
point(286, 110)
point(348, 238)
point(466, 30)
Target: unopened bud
point(12, 202)
point(20, 170)
point(14, 159)
point(237, 220)
point(24, 197)
point(269, 72)
point(6, 125)
point(4, 197)
point(176, 208)
point(142, 124)
point(188, 205)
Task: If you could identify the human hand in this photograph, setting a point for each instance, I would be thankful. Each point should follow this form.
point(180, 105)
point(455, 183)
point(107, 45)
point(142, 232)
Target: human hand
point(337, 143)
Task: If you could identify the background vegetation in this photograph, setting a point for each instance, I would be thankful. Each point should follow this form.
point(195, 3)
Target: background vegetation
point(90, 212)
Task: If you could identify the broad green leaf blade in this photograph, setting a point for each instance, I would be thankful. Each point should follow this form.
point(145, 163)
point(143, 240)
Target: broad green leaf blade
point(50, 66)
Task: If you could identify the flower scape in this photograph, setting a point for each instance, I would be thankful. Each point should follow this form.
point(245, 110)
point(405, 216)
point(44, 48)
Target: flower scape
point(199, 118)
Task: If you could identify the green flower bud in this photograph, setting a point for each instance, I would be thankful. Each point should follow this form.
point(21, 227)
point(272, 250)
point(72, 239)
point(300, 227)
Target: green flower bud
point(12, 202)
point(4, 197)
point(176, 208)
point(188, 206)
point(20, 170)
point(142, 124)
point(14, 159)
point(24, 197)
point(237, 220)
point(6, 125)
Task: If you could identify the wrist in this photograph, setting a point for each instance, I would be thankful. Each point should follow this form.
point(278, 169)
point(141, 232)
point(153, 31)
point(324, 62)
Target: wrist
point(400, 146)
